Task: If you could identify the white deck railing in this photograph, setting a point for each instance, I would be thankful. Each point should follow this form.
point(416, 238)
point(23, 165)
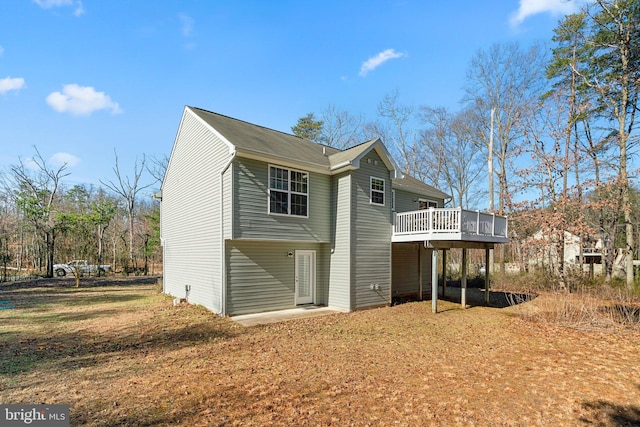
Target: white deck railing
point(450, 220)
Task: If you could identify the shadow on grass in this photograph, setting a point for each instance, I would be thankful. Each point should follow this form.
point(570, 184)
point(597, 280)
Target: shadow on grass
point(85, 282)
point(36, 301)
point(74, 317)
point(21, 354)
point(626, 314)
point(55, 328)
point(603, 413)
point(39, 296)
point(474, 297)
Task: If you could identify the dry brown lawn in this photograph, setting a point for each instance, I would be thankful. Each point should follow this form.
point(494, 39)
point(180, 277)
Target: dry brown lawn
point(120, 353)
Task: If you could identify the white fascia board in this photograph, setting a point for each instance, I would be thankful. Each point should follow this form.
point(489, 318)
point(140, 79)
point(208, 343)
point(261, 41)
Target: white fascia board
point(173, 147)
point(232, 148)
point(426, 193)
point(382, 152)
point(343, 167)
point(385, 155)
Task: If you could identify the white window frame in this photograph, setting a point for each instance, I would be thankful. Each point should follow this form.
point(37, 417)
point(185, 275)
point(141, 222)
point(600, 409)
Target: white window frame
point(428, 202)
point(288, 191)
point(371, 191)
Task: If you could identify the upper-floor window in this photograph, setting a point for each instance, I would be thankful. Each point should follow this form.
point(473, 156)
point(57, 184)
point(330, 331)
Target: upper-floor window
point(426, 204)
point(288, 191)
point(377, 191)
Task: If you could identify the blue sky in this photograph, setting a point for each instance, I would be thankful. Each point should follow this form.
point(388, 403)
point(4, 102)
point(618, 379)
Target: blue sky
point(82, 78)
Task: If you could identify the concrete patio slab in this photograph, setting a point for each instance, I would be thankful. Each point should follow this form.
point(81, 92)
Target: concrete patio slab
point(283, 315)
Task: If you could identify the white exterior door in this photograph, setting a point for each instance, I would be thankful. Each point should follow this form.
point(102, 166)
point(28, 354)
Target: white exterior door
point(305, 277)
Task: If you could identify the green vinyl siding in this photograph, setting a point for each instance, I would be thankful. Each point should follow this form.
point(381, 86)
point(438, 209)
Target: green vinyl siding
point(408, 201)
point(252, 220)
point(340, 290)
point(227, 180)
point(371, 234)
point(191, 209)
point(406, 269)
point(261, 275)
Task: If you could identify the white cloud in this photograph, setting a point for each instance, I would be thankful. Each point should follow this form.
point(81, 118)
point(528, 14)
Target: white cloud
point(376, 61)
point(48, 4)
point(57, 160)
point(187, 24)
point(61, 159)
point(554, 7)
point(79, 9)
point(81, 100)
point(1, 50)
point(31, 164)
point(9, 83)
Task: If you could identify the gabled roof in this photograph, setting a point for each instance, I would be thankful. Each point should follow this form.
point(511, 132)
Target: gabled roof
point(351, 157)
point(256, 141)
point(250, 138)
point(409, 183)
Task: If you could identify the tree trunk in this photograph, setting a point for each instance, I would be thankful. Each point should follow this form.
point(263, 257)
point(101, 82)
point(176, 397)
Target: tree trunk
point(50, 244)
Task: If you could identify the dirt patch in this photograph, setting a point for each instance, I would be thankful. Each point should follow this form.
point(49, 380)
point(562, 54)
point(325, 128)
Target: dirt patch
point(121, 354)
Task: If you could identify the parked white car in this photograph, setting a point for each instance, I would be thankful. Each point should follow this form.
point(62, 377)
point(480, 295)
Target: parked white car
point(85, 268)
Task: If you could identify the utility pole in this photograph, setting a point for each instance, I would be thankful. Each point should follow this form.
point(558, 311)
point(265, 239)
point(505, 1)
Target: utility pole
point(490, 260)
point(490, 163)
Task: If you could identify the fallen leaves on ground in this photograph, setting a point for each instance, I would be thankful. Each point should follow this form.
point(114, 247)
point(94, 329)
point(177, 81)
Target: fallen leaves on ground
point(121, 354)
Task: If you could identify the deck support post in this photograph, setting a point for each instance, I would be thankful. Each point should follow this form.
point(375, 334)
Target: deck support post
point(463, 285)
point(487, 282)
point(419, 272)
point(444, 273)
point(434, 280)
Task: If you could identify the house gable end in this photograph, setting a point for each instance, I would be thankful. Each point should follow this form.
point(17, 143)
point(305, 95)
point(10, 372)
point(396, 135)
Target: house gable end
point(231, 146)
point(350, 158)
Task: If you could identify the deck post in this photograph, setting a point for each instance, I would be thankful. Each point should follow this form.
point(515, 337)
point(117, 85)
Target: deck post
point(420, 272)
point(463, 285)
point(444, 273)
point(434, 280)
point(493, 223)
point(486, 275)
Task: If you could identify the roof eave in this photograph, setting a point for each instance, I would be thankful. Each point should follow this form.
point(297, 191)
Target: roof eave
point(437, 194)
point(343, 167)
point(284, 161)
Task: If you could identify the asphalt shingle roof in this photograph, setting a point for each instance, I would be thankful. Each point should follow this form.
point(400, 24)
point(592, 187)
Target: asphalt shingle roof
point(261, 140)
point(411, 184)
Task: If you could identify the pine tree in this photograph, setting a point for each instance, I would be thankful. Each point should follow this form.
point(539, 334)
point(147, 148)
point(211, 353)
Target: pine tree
point(308, 128)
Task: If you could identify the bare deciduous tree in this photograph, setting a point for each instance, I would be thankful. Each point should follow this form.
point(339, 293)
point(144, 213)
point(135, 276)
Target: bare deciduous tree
point(450, 156)
point(157, 167)
point(36, 189)
point(128, 188)
point(505, 79)
point(398, 133)
point(341, 129)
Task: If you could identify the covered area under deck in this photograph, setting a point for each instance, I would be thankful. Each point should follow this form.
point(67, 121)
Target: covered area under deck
point(425, 234)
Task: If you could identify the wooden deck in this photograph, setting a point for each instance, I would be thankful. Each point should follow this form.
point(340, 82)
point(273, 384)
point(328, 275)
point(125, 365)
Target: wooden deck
point(449, 225)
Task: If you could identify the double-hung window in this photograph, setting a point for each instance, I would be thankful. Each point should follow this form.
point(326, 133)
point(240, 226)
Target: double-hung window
point(377, 191)
point(288, 192)
point(426, 204)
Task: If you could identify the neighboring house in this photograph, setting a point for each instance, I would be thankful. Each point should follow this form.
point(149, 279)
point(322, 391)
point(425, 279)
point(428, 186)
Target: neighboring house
point(254, 220)
point(546, 250)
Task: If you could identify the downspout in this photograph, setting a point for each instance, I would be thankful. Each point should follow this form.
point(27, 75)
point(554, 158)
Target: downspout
point(158, 196)
point(223, 272)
